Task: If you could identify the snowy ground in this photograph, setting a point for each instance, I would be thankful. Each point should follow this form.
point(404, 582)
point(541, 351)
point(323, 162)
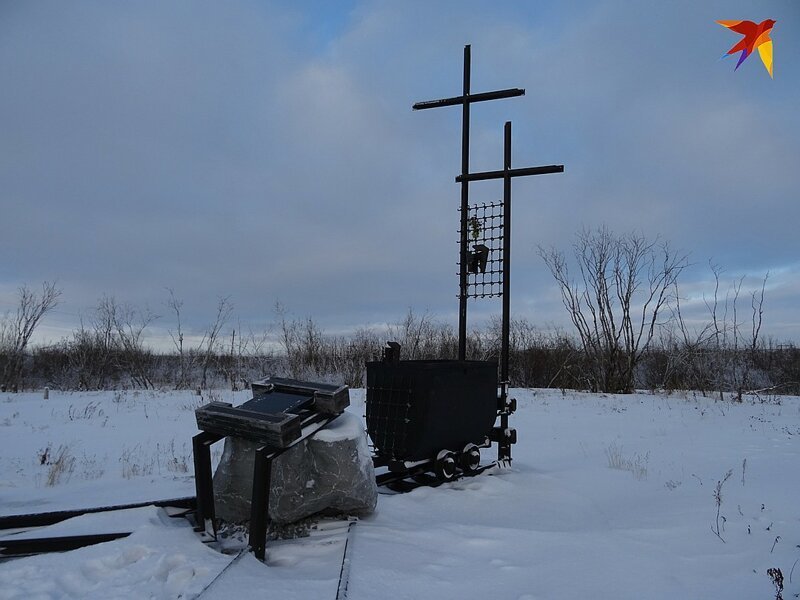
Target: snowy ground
point(608, 497)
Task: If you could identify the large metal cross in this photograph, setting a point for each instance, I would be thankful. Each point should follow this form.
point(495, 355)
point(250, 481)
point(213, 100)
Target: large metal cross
point(464, 101)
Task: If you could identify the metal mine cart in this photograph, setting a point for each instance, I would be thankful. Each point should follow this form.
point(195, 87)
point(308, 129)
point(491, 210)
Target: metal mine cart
point(430, 414)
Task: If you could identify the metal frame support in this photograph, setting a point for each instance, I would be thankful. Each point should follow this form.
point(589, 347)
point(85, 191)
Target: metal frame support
point(259, 505)
point(462, 270)
point(262, 476)
point(504, 447)
point(506, 252)
point(203, 480)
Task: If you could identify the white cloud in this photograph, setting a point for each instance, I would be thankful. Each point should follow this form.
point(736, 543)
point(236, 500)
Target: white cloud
point(222, 149)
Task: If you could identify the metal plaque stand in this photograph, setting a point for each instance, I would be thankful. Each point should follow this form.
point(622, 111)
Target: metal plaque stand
point(282, 413)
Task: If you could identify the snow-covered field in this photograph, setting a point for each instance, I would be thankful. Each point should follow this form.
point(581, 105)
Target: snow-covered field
point(608, 497)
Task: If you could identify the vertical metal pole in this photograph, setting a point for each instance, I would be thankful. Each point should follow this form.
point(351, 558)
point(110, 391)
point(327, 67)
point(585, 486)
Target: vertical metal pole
point(506, 249)
point(259, 504)
point(504, 448)
point(462, 285)
point(203, 481)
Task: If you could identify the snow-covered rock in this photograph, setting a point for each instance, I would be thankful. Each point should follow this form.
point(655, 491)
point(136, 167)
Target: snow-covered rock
point(328, 472)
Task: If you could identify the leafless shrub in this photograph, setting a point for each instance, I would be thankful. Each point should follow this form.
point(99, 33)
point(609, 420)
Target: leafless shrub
point(208, 345)
point(184, 358)
point(311, 353)
point(136, 462)
point(419, 336)
point(718, 502)
point(636, 465)
point(725, 355)
point(60, 466)
point(776, 576)
point(130, 324)
point(108, 350)
point(175, 462)
point(732, 365)
point(90, 411)
point(90, 468)
point(93, 350)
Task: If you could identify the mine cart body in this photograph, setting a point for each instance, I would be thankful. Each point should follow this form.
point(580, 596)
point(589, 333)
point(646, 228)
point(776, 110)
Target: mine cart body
point(417, 408)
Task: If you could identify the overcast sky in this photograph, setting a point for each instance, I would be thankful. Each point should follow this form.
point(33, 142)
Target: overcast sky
point(267, 151)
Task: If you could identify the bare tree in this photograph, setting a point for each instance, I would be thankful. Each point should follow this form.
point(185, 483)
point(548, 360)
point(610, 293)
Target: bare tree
point(90, 355)
point(16, 330)
point(289, 339)
point(233, 364)
point(626, 282)
point(753, 342)
point(305, 344)
point(732, 364)
point(420, 336)
point(312, 343)
point(129, 326)
point(685, 350)
point(184, 358)
point(261, 357)
point(211, 337)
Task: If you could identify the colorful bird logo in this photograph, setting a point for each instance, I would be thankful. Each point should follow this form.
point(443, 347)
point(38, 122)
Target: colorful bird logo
point(755, 36)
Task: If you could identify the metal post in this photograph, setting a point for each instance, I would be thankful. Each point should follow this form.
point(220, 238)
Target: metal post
point(504, 448)
point(259, 504)
point(462, 285)
point(203, 481)
point(506, 250)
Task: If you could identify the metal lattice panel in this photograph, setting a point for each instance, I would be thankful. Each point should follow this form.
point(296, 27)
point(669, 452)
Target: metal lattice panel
point(388, 414)
point(485, 230)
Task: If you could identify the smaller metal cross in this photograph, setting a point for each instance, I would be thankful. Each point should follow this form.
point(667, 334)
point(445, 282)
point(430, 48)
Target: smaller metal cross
point(504, 447)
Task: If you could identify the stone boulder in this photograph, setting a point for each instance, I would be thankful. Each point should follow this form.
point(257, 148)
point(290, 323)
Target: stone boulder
point(329, 472)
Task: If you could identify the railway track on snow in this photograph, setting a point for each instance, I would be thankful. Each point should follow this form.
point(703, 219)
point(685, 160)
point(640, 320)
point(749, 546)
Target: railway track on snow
point(15, 530)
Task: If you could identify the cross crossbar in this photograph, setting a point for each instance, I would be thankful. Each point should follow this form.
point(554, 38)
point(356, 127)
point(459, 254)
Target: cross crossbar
point(459, 100)
point(523, 172)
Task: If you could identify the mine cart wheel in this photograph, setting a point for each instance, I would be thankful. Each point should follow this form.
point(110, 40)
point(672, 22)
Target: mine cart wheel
point(470, 458)
point(445, 465)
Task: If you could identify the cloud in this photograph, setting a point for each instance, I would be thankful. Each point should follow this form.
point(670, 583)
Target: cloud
point(268, 151)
